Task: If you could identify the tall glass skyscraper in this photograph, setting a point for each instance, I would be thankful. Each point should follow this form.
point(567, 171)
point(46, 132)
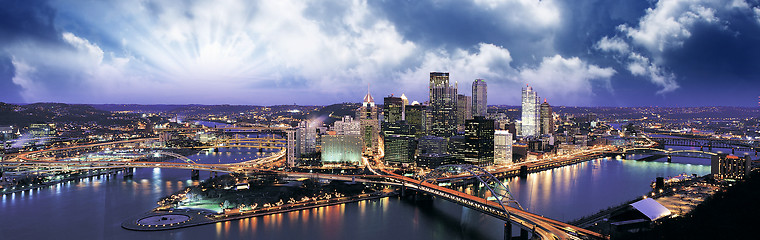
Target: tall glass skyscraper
point(479, 98)
point(443, 104)
point(464, 109)
point(502, 147)
point(547, 121)
point(530, 112)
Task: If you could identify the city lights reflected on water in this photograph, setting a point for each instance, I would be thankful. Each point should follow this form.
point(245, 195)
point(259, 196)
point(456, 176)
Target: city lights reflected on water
point(362, 208)
point(568, 192)
point(564, 193)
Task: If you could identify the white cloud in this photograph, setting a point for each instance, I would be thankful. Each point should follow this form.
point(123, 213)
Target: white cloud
point(489, 61)
point(24, 77)
point(562, 80)
point(664, 27)
point(739, 4)
point(95, 53)
point(757, 14)
point(71, 72)
point(668, 24)
point(613, 44)
point(236, 47)
point(529, 14)
point(191, 51)
point(642, 66)
point(566, 80)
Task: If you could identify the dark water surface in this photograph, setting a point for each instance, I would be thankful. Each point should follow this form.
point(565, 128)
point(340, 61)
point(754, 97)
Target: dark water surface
point(95, 209)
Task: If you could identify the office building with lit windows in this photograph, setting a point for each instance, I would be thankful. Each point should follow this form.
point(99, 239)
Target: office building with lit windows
point(443, 104)
point(479, 98)
point(479, 141)
point(530, 113)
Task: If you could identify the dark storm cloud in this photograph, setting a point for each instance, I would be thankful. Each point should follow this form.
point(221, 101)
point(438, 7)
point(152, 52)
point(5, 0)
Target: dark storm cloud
point(704, 53)
point(585, 21)
point(714, 51)
point(8, 90)
point(455, 25)
point(720, 61)
point(22, 20)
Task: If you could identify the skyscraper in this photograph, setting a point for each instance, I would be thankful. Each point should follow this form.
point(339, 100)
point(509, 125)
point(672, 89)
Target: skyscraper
point(479, 98)
point(301, 140)
point(432, 145)
point(530, 112)
point(416, 117)
point(464, 108)
point(502, 147)
point(367, 115)
point(479, 141)
point(399, 142)
point(292, 148)
point(392, 109)
point(306, 134)
point(403, 106)
point(443, 103)
point(547, 120)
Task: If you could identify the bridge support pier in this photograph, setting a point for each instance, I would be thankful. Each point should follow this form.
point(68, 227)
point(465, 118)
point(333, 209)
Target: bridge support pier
point(523, 234)
point(507, 231)
point(523, 171)
point(129, 172)
point(195, 174)
point(670, 158)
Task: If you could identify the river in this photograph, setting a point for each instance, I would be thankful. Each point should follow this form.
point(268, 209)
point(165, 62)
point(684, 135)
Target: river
point(95, 209)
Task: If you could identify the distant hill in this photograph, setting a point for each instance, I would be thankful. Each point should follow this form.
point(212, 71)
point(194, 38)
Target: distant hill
point(195, 110)
point(139, 108)
point(24, 115)
point(335, 112)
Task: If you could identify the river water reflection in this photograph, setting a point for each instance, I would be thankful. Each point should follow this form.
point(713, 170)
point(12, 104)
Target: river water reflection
point(94, 209)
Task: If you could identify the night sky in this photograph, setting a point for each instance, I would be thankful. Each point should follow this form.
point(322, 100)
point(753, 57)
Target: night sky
point(572, 52)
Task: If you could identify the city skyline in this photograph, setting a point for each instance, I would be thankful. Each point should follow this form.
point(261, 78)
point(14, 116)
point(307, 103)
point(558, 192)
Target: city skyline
point(617, 53)
point(392, 119)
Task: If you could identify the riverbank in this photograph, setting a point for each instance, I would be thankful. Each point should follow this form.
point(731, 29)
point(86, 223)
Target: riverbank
point(680, 198)
point(158, 220)
point(523, 170)
point(14, 182)
point(74, 178)
point(729, 214)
